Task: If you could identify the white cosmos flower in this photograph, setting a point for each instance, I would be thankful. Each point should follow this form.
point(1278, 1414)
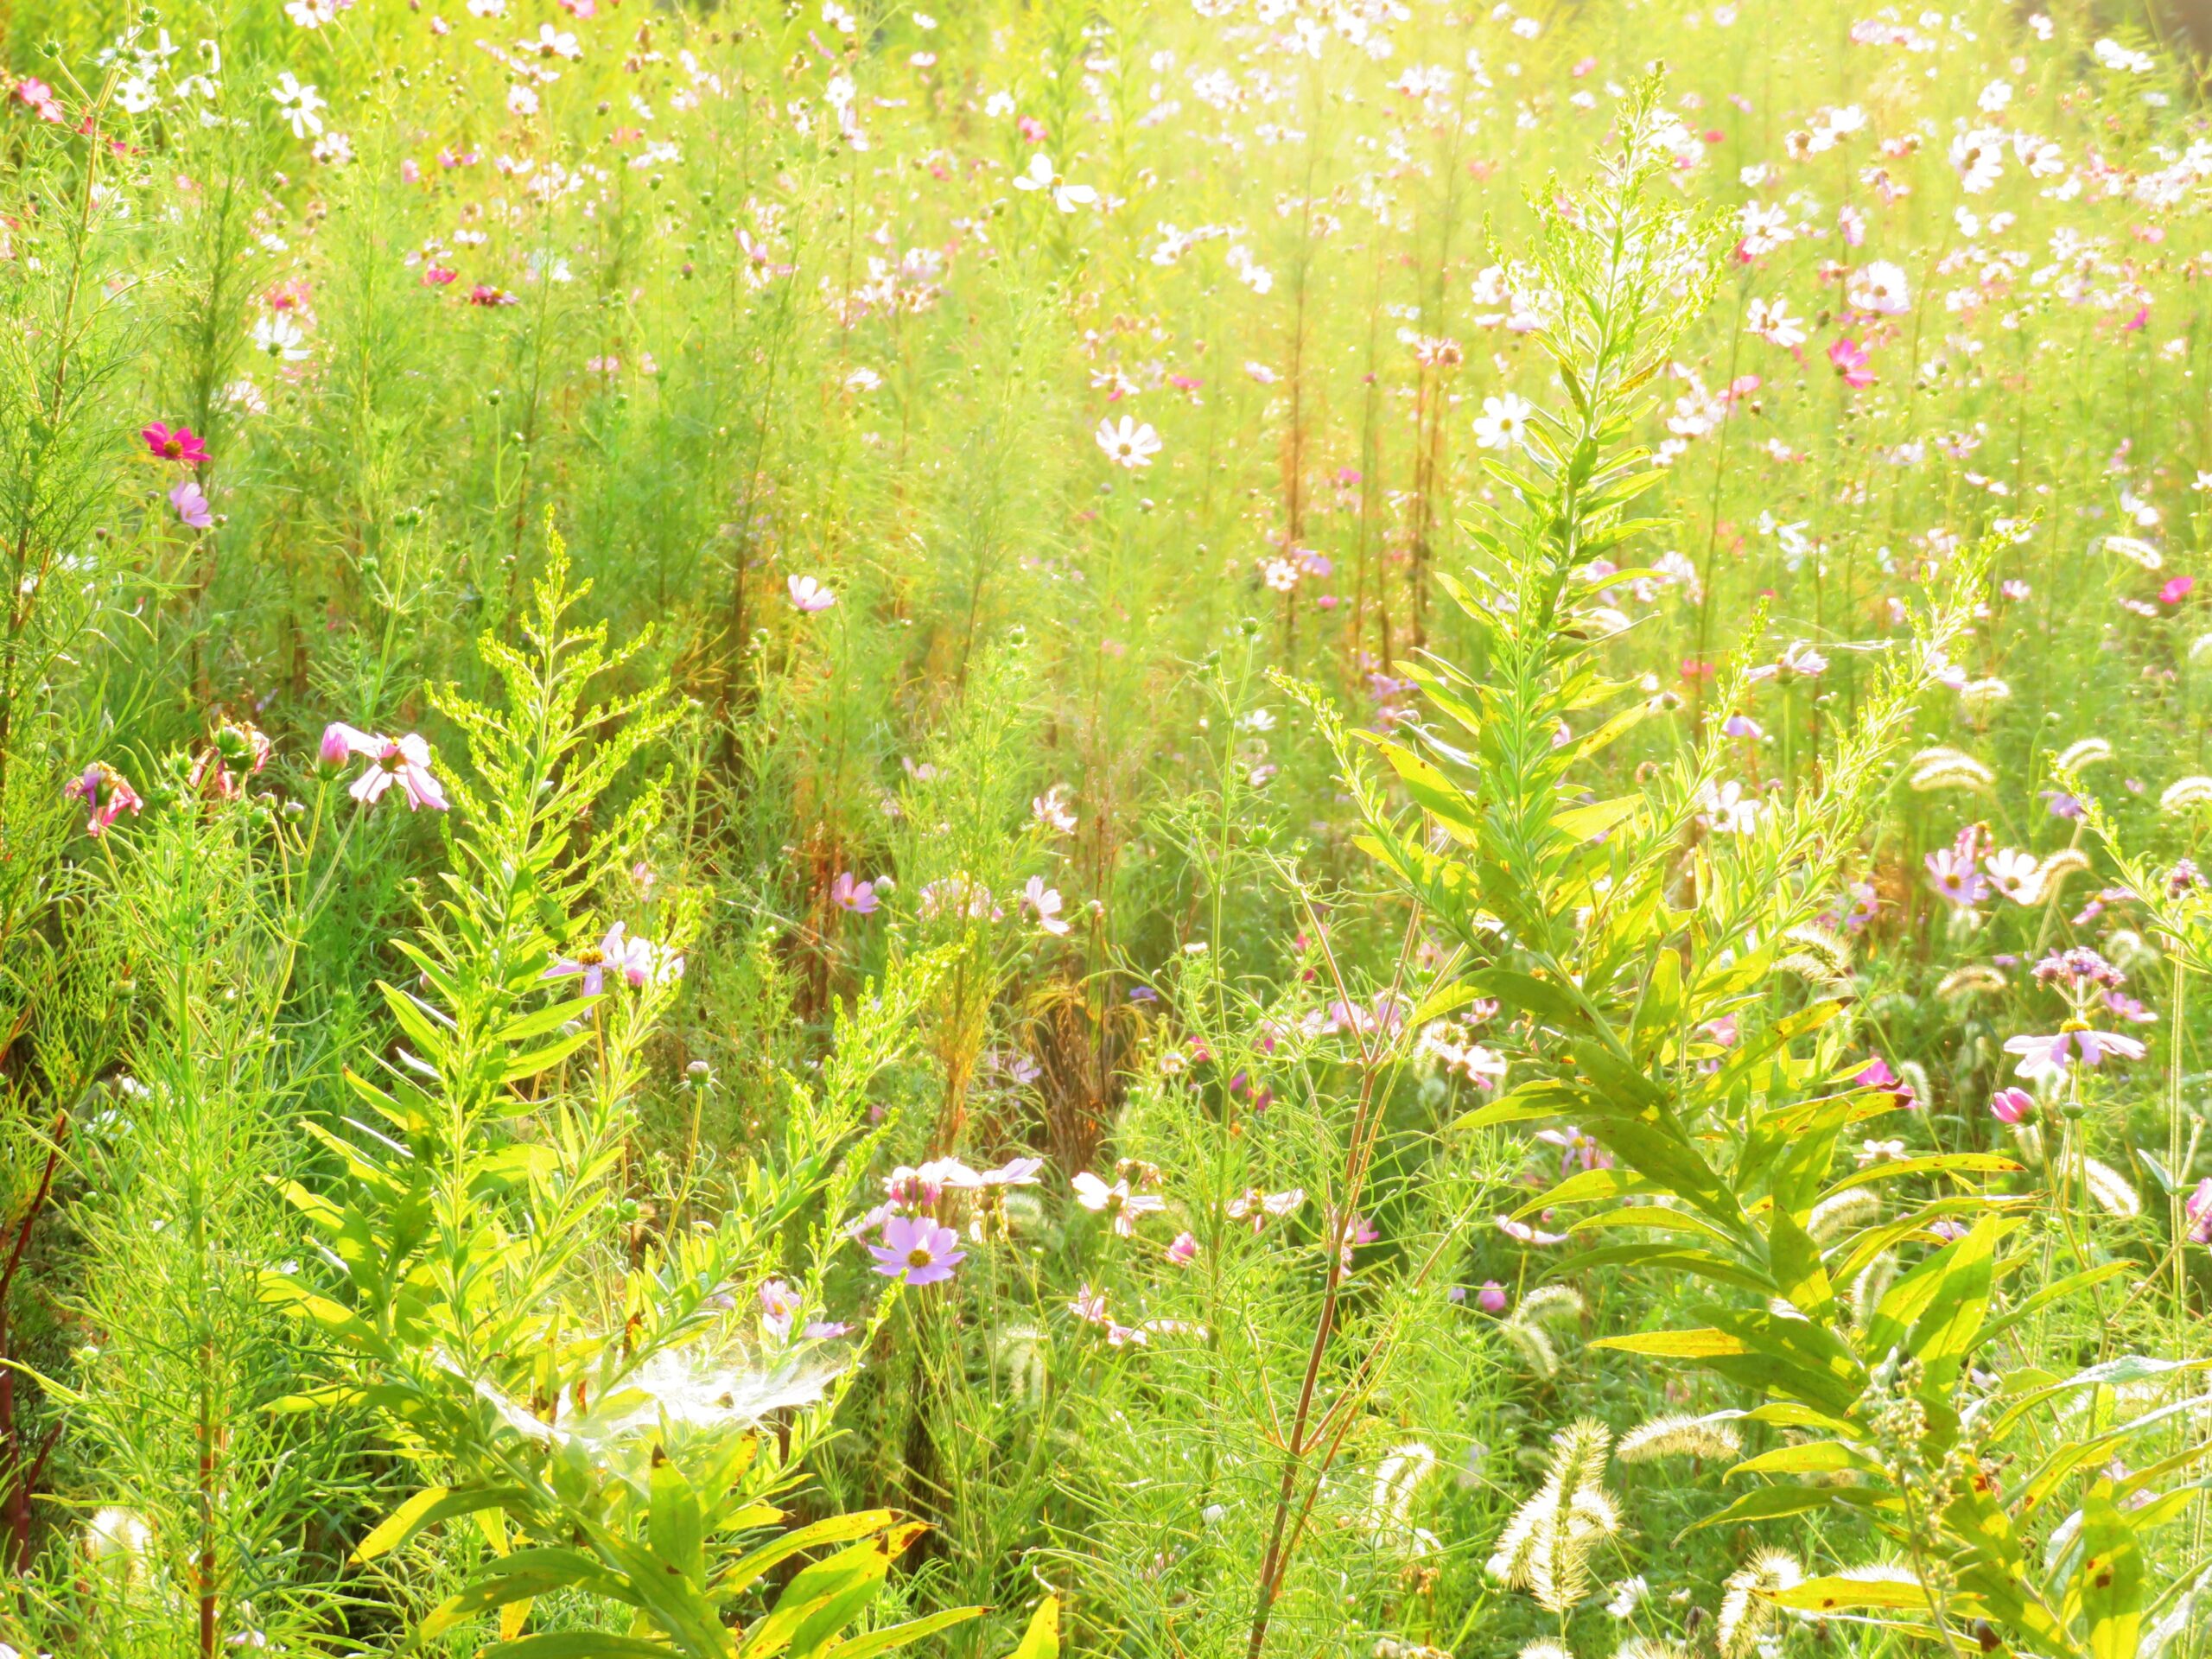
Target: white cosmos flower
point(1041, 175)
point(1128, 442)
point(1504, 422)
point(298, 105)
point(281, 338)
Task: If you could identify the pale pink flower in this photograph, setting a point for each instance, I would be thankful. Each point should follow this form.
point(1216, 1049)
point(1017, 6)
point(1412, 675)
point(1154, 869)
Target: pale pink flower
point(1045, 901)
point(809, 596)
point(1116, 1203)
point(403, 761)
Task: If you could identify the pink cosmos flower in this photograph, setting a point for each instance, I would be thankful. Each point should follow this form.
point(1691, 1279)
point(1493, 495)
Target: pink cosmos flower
point(1355, 1232)
point(809, 596)
point(1088, 1306)
point(106, 791)
point(238, 750)
point(2200, 1211)
point(1491, 1297)
point(1954, 876)
point(1526, 1233)
point(1258, 1207)
point(635, 960)
point(1015, 1171)
point(915, 1250)
point(858, 896)
point(405, 760)
point(190, 502)
point(41, 97)
point(2049, 1056)
point(2011, 1105)
point(2177, 590)
point(174, 443)
point(1045, 901)
point(1184, 1250)
point(779, 1303)
point(1576, 1148)
point(1116, 1203)
point(1850, 360)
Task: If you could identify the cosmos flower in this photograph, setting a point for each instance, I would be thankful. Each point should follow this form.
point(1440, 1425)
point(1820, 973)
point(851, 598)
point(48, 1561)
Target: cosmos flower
point(620, 953)
point(106, 792)
point(1041, 175)
point(1128, 443)
point(2200, 1212)
point(1046, 902)
point(405, 760)
point(1851, 360)
point(1504, 423)
point(1491, 1297)
point(2049, 1056)
point(1953, 874)
point(1184, 1250)
point(779, 1304)
point(2011, 1105)
point(190, 502)
point(1116, 1203)
point(296, 106)
point(809, 596)
point(1770, 320)
point(174, 443)
point(858, 897)
point(915, 1251)
point(238, 750)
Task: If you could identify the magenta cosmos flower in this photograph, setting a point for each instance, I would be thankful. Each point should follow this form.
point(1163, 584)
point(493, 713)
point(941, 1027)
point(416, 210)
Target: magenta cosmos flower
point(2011, 1105)
point(174, 443)
point(1491, 1297)
point(1851, 360)
point(2200, 1211)
point(105, 790)
point(403, 761)
point(917, 1251)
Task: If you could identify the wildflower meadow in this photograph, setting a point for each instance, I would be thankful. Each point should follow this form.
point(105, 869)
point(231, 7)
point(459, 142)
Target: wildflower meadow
point(1127, 828)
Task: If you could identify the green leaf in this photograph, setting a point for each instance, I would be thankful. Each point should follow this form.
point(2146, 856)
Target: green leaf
point(900, 1636)
point(1526, 1104)
point(1769, 1503)
point(1839, 1592)
point(1675, 1345)
point(1581, 823)
point(2109, 1580)
point(426, 1508)
point(521, 1066)
point(521, 1576)
point(837, 1530)
point(1957, 1163)
point(1795, 1262)
point(825, 1596)
point(1042, 1639)
point(1589, 1187)
point(675, 1527)
point(1524, 994)
point(579, 1644)
point(1816, 1457)
point(537, 1024)
point(401, 1524)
